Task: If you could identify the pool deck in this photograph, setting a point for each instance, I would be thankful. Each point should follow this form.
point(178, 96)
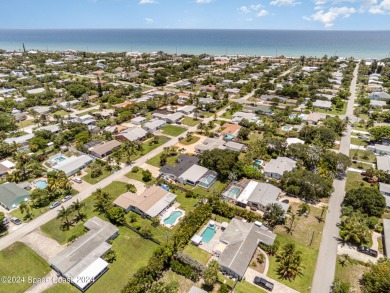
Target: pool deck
point(168, 212)
point(209, 247)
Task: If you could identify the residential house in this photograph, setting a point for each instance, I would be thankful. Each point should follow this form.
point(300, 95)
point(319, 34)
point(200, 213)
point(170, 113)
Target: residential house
point(234, 146)
point(81, 261)
point(379, 149)
point(323, 104)
point(132, 134)
point(379, 96)
point(187, 110)
point(198, 175)
point(238, 116)
point(73, 164)
point(209, 144)
point(385, 190)
point(138, 120)
point(230, 131)
point(184, 162)
point(259, 195)
point(36, 91)
point(19, 140)
point(383, 163)
point(102, 150)
point(277, 167)
point(151, 203)
point(11, 195)
point(239, 243)
point(154, 125)
point(386, 237)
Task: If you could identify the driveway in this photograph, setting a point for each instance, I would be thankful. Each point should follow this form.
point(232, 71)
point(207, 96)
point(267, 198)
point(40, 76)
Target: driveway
point(353, 253)
point(250, 275)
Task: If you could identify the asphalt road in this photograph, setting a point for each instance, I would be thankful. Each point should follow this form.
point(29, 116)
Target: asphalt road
point(27, 228)
point(326, 261)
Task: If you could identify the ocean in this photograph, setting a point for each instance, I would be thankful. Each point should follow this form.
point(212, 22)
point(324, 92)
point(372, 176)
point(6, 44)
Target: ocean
point(292, 43)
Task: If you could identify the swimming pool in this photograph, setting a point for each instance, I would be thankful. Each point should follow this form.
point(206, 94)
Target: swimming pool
point(229, 136)
point(259, 162)
point(293, 116)
point(41, 184)
point(208, 234)
point(59, 159)
point(234, 192)
point(23, 149)
point(172, 218)
point(207, 181)
point(286, 128)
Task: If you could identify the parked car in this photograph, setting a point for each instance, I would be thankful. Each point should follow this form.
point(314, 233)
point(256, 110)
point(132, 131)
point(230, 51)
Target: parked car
point(5, 222)
point(368, 251)
point(66, 198)
point(180, 138)
point(364, 173)
point(263, 283)
point(77, 180)
point(16, 221)
point(54, 205)
point(285, 201)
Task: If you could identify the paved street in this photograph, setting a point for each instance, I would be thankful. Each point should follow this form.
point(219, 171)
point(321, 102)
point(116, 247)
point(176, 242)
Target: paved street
point(326, 262)
point(27, 228)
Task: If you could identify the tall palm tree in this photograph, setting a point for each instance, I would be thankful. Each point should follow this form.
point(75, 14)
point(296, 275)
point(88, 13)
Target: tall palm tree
point(76, 207)
point(64, 214)
point(25, 207)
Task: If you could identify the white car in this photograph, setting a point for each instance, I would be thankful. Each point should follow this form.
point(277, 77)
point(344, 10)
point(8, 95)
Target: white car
point(77, 180)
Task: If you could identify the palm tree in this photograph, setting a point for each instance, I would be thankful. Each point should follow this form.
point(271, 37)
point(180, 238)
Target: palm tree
point(76, 207)
point(26, 207)
point(290, 262)
point(63, 214)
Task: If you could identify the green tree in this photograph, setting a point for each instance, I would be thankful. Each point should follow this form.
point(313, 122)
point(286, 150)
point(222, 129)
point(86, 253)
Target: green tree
point(76, 207)
point(290, 262)
point(244, 133)
point(274, 214)
point(102, 201)
point(210, 274)
point(116, 215)
point(64, 215)
point(25, 207)
point(340, 286)
point(146, 176)
point(377, 278)
point(366, 200)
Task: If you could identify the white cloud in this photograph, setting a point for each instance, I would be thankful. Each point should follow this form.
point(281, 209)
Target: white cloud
point(149, 20)
point(328, 17)
point(319, 7)
point(374, 8)
point(202, 1)
point(284, 2)
point(262, 12)
point(256, 6)
point(244, 9)
point(147, 1)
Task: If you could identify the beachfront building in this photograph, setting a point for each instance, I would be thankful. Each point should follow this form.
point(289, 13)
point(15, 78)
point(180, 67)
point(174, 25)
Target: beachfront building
point(81, 262)
point(151, 203)
point(11, 195)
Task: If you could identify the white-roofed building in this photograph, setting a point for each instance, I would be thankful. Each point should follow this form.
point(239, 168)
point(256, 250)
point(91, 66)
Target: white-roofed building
point(132, 134)
point(154, 125)
point(73, 164)
point(198, 175)
point(277, 167)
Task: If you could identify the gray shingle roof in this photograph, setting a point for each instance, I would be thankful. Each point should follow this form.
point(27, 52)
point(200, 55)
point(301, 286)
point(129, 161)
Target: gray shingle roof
point(184, 162)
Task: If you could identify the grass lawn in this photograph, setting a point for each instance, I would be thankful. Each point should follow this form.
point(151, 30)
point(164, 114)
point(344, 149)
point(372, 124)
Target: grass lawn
point(21, 261)
point(91, 180)
point(150, 147)
point(227, 115)
point(155, 161)
point(334, 111)
point(173, 130)
point(359, 141)
point(190, 121)
point(193, 140)
point(363, 155)
point(186, 203)
point(88, 112)
point(197, 254)
point(217, 187)
point(309, 255)
point(360, 165)
point(245, 287)
point(350, 272)
point(138, 176)
point(132, 252)
point(25, 123)
point(62, 288)
point(304, 227)
point(184, 283)
point(62, 113)
point(52, 228)
point(205, 114)
point(354, 180)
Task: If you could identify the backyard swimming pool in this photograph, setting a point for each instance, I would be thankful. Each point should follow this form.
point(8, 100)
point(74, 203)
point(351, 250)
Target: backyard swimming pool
point(41, 184)
point(234, 192)
point(207, 181)
point(208, 234)
point(286, 128)
point(172, 218)
point(229, 136)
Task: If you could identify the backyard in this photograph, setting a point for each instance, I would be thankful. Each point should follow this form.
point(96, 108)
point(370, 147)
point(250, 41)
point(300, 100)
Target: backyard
point(197, 254)
point(155, 161)
point(18, 260)
point(173, 130)
point(190, 121)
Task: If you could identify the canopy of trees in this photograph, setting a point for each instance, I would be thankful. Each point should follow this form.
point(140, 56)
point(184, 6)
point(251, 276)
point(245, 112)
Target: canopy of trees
point(366, 200)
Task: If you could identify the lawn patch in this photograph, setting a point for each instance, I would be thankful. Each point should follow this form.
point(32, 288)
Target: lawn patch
point(90, 180)
point(173, 130)
point(362, 155)
point(155, 161)
point(19, 260)
point(190, 121)
point(351, 272)
point(245, 287)
point(354, 180)
point(309, 256)
point(197, 254)
point(193, 140)
point(139, 177)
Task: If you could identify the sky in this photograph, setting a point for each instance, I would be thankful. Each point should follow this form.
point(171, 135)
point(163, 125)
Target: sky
point(197, 14)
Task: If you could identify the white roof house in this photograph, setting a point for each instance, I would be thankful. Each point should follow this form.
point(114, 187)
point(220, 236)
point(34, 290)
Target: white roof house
point(277, 167)
point(193, 175)
point(36, 91)
point(322, 104)
point(73, 164)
